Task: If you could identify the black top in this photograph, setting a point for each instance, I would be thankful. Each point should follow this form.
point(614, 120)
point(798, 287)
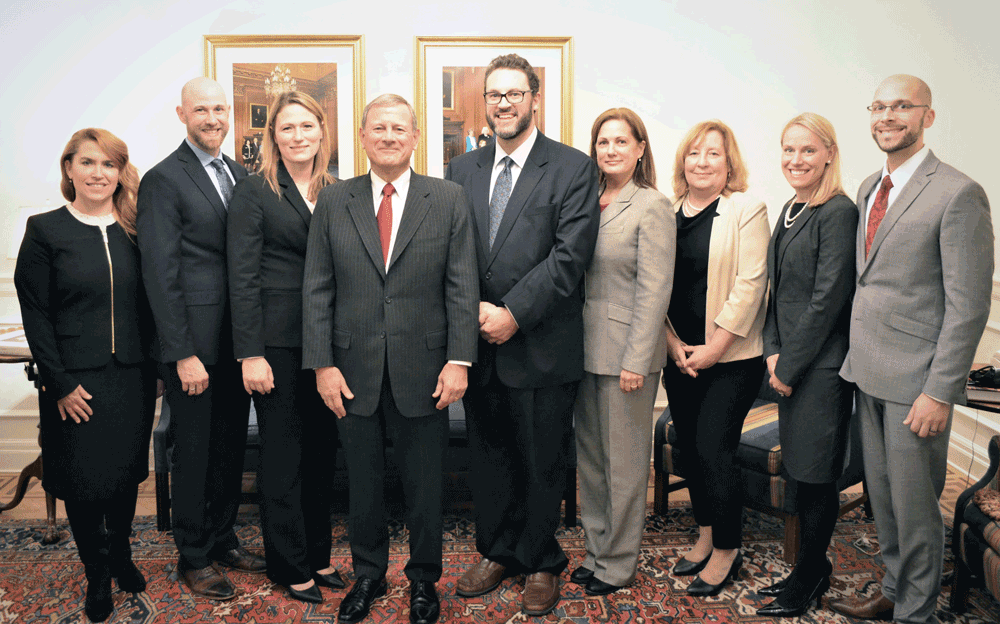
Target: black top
point(687, 301)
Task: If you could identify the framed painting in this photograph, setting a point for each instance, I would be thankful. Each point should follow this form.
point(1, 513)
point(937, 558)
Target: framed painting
point(253, 69)
point(456, 68)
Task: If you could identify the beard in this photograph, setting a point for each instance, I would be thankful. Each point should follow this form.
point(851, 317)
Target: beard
point(523, 123)
point(908, 138)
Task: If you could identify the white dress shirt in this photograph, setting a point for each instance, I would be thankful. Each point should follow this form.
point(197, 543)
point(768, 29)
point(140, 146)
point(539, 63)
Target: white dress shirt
point(206, 161)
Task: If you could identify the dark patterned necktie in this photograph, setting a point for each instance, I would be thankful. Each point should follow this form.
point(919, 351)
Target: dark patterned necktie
point(384, 219)
point(225, 184)
point(879, 206)
point(501, 193)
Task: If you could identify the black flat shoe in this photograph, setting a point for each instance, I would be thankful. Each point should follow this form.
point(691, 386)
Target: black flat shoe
point(331, 580)
point(597, 587)
point(686, 567)
point(699, 587)
point(309, 594)
point(581, 575)
point(776, 609)
point(358, 602)
point(424, 604)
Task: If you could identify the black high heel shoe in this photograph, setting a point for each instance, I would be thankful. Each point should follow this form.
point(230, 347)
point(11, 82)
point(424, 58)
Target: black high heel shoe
point(309, 594)
point(775, 608)
point(776, 589)
point(331, 580)
point(699, 587)
point(686, 567)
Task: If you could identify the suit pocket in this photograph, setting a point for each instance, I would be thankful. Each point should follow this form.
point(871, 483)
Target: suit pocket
point(619, 313)
point(203, 297)
point(437, 339)
point(914, 327)
point(341, 339)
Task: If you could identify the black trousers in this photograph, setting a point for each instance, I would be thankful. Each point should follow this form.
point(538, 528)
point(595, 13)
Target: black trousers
point(520, 438)
point(209, 437)
point(298, 443)
point(708, 413)
point(418, 446)
point(102, 528)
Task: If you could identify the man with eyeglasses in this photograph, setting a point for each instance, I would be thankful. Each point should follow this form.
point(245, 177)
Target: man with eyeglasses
point(535, 209)
point(925, 267)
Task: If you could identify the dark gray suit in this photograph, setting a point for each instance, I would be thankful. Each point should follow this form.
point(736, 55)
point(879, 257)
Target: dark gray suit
point(390, 332)
point(181, 224)
point(922, 302)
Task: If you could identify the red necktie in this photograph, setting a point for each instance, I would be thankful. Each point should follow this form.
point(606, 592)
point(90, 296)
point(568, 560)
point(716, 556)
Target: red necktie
point(384, 218)
point(879, 207)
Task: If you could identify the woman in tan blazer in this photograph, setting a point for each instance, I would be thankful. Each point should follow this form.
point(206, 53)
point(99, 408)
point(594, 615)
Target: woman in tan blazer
point(624, 346)
point(715, 319)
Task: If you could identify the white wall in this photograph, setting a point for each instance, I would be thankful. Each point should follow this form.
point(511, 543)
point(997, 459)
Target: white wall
point(752, 63)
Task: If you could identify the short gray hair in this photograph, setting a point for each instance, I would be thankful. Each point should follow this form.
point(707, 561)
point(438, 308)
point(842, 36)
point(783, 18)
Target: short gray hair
point(386, 100)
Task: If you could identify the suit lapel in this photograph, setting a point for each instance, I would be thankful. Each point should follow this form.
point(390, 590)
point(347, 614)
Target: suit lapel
point(416, 207)
point(362, 211)
point(903, 201)
point(481, 193)
point(792, 232)
point(623, 201)
point(531, 173)
point(290, 193)
point(200, 178)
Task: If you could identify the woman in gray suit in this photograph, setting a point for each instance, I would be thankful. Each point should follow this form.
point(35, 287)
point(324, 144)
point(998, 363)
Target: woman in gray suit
point(268, 227)
point(810, 262)
point(624, 344)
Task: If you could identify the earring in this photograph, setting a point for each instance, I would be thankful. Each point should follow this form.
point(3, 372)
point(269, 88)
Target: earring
point(638, 162)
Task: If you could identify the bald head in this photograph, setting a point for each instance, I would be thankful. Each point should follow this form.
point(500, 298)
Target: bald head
point(205, 112)
point(918, 90)
point(902, 111)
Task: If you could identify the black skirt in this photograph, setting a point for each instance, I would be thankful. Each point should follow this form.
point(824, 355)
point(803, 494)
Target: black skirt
point(97, 459)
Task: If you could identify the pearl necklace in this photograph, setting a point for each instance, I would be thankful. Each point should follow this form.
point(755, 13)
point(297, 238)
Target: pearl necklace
point(789, 222)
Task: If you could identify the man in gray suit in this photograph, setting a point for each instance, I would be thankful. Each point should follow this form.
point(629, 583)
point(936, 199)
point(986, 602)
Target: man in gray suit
point(390, 323)
point(925, 267)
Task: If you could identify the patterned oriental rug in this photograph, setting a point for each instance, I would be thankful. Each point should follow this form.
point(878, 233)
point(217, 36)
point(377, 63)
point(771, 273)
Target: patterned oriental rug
point(43, 583)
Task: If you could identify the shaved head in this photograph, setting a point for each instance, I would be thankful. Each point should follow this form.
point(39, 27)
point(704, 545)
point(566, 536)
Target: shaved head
point(205, 112)
point(921, 93)
point(200, 87)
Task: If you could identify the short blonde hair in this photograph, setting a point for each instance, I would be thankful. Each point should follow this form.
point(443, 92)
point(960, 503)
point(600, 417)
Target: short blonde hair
point(738, 173)
point(830, 184)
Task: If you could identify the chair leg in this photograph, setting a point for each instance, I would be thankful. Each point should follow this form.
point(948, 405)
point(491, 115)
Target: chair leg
point(793, 530)
point(659, 492)
point(960, 587)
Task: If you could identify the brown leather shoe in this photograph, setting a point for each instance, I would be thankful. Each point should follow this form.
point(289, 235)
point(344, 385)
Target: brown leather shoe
point(240, 558)
point(541, 593)
point(207, 583)
point(878, 607)
point(480, 579)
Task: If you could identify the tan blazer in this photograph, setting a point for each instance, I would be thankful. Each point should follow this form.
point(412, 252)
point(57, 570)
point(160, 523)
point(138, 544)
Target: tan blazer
point(628, 285)
point(737, 273)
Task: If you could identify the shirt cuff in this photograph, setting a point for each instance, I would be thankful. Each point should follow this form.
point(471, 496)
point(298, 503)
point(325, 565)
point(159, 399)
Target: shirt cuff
point(252, 357)
point(460, 363)
point(512, 317)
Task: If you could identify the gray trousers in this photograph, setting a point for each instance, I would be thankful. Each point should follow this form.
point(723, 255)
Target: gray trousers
point(613, 444)
point(906, 475)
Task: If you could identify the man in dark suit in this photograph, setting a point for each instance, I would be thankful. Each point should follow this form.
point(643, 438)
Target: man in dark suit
point(390, 301)
point(181, 224)
point(925, 268)
point(536, 213)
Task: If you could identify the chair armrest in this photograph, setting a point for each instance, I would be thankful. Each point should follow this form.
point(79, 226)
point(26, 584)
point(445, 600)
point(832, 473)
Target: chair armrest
point(963, 499)
point(660, 438)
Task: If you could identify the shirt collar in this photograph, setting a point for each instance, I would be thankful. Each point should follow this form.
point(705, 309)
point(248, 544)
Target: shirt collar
point(520, 155)
point(400, 184)
point(904, 172)
point(203, 157)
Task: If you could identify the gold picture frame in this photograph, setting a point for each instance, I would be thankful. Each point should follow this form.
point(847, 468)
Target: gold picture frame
point(329, 66)
point(465, 57)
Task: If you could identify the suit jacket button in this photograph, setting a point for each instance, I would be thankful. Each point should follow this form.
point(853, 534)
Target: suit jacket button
point(388, 299)
point(488, 275)
point(382, 335)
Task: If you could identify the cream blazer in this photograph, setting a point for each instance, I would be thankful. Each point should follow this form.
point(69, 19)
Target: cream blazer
point(628, 285)
point(737, 274)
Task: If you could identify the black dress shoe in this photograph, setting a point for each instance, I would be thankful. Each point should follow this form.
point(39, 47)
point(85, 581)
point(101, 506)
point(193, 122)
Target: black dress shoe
point(597, 587)
point(685, 567)
point(778, 608)
point(581, 575)
point(424, 604)
point(774, 590)
point(331, 580)
point(240, 558)
point(98, 605)
point(309, 594)
point(129, 578)
point(358, 602)
point(699, 587)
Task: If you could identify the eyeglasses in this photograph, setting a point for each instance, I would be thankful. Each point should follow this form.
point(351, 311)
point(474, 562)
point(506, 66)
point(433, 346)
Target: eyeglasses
point(513, 96)
point(899, 107)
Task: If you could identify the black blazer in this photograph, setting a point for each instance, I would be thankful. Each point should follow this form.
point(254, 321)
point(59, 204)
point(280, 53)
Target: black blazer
point(181, 225)
point(535, 268)
point(411, 319)
point(267, 236)
point(65, 291)
point(811, 287)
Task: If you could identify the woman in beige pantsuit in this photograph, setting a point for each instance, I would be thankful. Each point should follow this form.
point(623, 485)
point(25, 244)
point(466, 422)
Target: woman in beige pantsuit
point(627, 292)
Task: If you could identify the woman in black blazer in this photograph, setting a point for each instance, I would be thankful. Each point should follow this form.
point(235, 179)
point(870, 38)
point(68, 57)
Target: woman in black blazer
point(810, 263)
point(89, 328)
point(268, 227)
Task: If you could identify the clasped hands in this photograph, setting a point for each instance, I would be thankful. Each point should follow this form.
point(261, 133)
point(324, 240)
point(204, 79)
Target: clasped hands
point(496, 324)
point(692, 358)
point(779, 387)
point(331, 385)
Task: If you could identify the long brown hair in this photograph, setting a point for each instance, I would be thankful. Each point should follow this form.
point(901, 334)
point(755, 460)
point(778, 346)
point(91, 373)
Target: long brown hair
point(123, 200)
point(271, 156)
point(644, 174)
